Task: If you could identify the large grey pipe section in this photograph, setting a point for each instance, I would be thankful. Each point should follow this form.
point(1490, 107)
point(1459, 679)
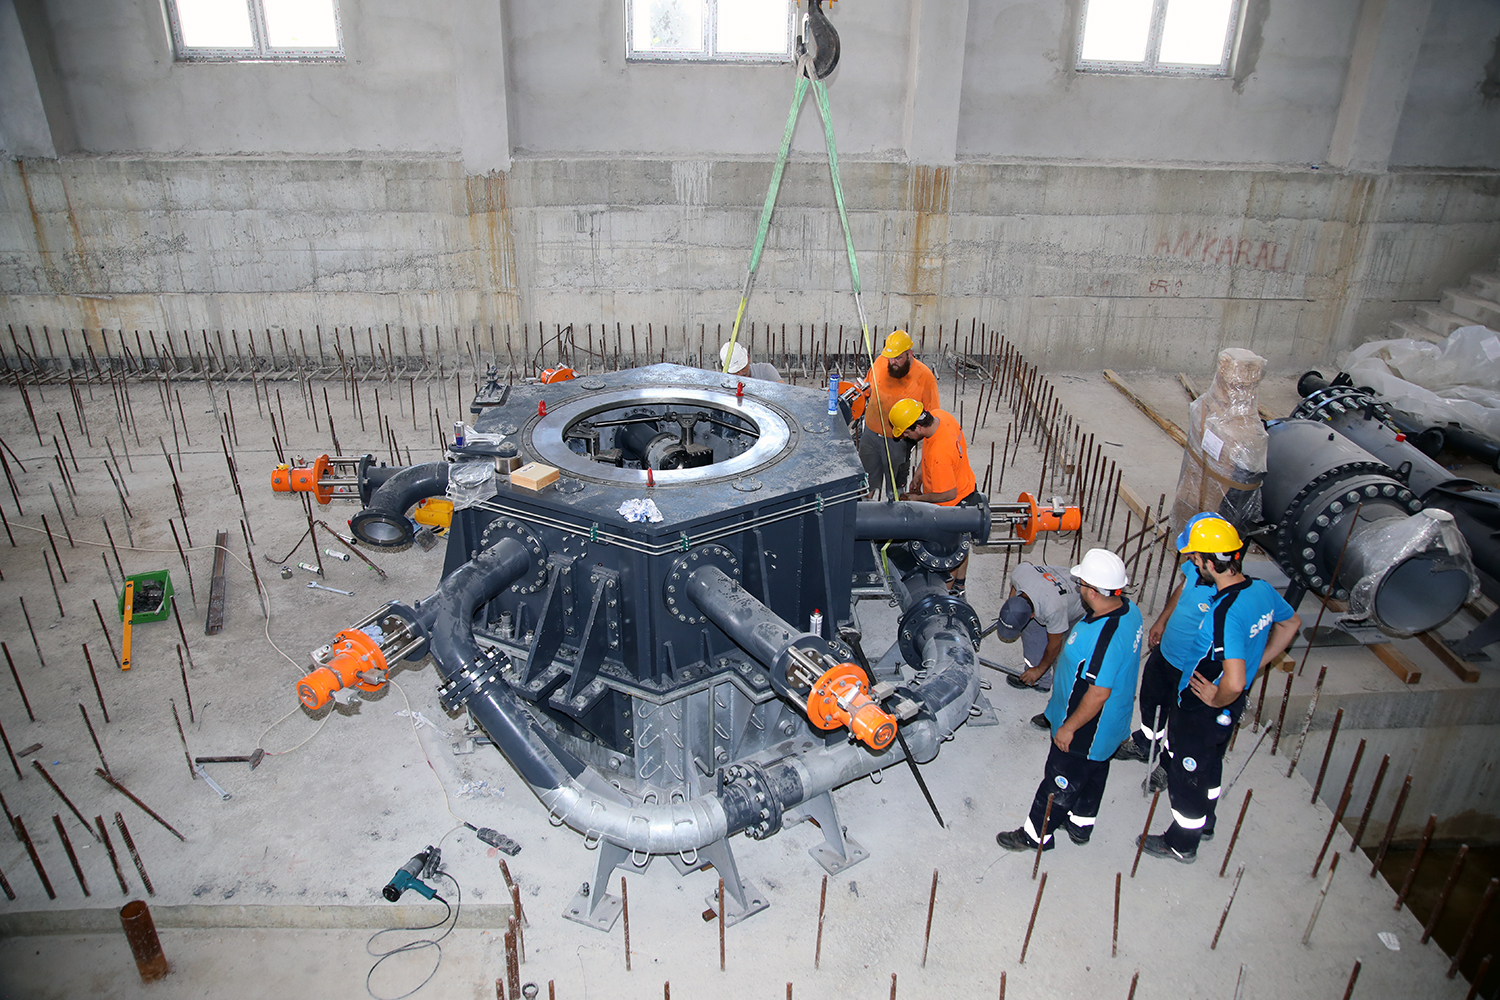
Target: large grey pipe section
point(927, 521)
point(383, 523)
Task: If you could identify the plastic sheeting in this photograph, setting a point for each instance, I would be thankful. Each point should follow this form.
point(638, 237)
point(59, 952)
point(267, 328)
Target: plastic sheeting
point(1225, 459)
point(1431, 536)
point(1457, 381)
point(470, 483)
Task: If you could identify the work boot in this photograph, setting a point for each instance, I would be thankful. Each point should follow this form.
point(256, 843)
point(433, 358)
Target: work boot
point(1078, 834)
point(1131, 750)
point(1018, 840)
point(1041, 721)
point(1158, 779)
point(1156, 845)
point(1206, 835)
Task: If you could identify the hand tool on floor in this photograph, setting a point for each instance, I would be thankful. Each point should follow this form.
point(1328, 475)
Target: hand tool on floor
point(253, 759)
point(332, 590)
point(127, 613)
point(200, 772)
point(409, 875)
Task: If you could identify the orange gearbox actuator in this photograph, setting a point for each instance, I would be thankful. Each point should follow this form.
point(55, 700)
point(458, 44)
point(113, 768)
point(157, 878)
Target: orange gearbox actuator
point(352, 660)
point(1034, 520)
point(326, 477)
point(840, 698)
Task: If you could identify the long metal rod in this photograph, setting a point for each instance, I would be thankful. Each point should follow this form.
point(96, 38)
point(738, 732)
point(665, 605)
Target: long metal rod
point(143, 807)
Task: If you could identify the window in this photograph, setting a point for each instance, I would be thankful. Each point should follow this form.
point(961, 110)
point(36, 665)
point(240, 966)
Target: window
point(709, 30)
point(1164, 37)
point(240, 30)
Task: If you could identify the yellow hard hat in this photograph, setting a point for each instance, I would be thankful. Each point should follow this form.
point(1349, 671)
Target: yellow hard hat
point(1213, 536)
point(904, 414)
point(897, 344)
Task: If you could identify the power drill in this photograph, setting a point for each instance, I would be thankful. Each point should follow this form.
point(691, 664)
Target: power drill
point(408, 876)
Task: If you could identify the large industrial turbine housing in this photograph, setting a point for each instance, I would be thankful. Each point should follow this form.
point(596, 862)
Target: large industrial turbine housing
point(663, 685)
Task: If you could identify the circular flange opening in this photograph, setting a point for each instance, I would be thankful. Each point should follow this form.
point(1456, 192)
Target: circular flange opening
point(681, 436)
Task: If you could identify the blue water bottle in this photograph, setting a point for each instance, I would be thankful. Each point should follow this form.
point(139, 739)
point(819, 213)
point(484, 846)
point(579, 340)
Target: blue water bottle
point(833, 393)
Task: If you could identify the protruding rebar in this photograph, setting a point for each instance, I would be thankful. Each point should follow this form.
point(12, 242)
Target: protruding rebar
point(1145, 831)
point(36, 861)
point(1390, 826)
point(1041, 887)
point(1364, 817)
point(62, 835)
point(114, 859)
point(931, 904)
point(135, 855)
point(15, 676)
point(1442, 900)
point(1423, 843)
point(1235, 836)
point(1333, 734)
point(1338, 814)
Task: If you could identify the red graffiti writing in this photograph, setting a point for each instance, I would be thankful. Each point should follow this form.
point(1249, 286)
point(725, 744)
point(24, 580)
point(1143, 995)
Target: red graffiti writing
point(1259, 255)
point(1163, 286)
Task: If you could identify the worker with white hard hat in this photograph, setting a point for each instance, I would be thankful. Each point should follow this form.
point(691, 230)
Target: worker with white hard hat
point(1090, 708)
point(1248, 625)
point(894, 376)
point(736, 361)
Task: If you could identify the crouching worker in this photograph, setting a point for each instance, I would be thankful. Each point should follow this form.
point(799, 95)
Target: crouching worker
point(1090, 708)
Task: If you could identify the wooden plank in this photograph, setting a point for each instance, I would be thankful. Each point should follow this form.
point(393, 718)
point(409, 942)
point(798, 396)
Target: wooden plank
point(214, 623)
point(1466, 671)
point(1173, 431)
point(1187, 385)
point(1400, 665)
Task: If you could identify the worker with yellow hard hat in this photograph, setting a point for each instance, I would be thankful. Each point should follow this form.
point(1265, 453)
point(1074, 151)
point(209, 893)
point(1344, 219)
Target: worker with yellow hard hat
point(1247, 626)
point(895, 375)
point(945, 476)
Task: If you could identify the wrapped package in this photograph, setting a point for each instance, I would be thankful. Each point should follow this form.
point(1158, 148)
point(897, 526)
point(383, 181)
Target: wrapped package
point(1424, 551)
point(470, 483)
point(1457, 381)
point(1225, 458)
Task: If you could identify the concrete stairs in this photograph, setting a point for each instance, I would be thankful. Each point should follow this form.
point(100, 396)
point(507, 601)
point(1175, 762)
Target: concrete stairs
point(1476, 302)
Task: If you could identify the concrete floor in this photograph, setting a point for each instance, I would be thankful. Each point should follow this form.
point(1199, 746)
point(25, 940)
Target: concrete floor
point(274, 892)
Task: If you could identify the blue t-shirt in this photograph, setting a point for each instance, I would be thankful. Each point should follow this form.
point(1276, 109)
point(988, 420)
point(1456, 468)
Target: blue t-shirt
point(1183, 642)
point(1237, 628)
point(1102, 651)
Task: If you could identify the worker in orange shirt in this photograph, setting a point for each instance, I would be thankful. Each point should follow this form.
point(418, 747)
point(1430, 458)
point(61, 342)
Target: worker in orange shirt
point(945, 476)
point(894, 376)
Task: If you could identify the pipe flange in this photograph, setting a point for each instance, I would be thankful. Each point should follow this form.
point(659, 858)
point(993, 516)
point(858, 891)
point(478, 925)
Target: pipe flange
point(456, 693)
point(929, 556)
point(1392, 492)
point(674, 590)
point(934, 606)
point(750, 786)
point(504, 527)
point(413, 622)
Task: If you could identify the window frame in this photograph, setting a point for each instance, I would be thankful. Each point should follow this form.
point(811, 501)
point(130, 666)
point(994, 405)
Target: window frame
point(262, 51)
point(710, 34)
point(1152, 66)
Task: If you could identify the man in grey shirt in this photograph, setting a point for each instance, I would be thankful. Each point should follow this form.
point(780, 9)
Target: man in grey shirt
point(1043, 605)
point(739, 365)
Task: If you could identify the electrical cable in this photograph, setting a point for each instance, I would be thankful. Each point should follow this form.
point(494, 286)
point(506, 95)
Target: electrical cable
point(419, 944)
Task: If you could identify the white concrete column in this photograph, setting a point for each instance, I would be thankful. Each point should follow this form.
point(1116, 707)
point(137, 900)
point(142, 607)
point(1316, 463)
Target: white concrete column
point(24, 130)
point(934, 80)
point(479, 50)
point(1386, 42)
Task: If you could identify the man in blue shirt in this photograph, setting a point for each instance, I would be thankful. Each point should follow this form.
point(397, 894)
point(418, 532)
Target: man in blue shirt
point(1177, 644)
point(1089, 710)
point(1248, 625)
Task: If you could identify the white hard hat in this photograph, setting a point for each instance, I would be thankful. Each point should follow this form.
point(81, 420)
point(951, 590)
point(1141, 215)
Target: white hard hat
point(735, 362)
point(1102, 570)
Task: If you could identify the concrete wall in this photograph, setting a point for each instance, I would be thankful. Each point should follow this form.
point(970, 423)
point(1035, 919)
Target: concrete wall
point(1082, 266)
point(1446, 120)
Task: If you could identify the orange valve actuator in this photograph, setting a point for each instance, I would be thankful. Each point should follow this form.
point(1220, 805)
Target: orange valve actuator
point(327, 477)
point(1040, 519)
point(354, 660)
point(839, 698)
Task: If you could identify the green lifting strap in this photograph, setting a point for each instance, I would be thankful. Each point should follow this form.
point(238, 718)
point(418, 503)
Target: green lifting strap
point(820, 93)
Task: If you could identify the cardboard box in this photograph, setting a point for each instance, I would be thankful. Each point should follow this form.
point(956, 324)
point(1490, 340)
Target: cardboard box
point(534, 476)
